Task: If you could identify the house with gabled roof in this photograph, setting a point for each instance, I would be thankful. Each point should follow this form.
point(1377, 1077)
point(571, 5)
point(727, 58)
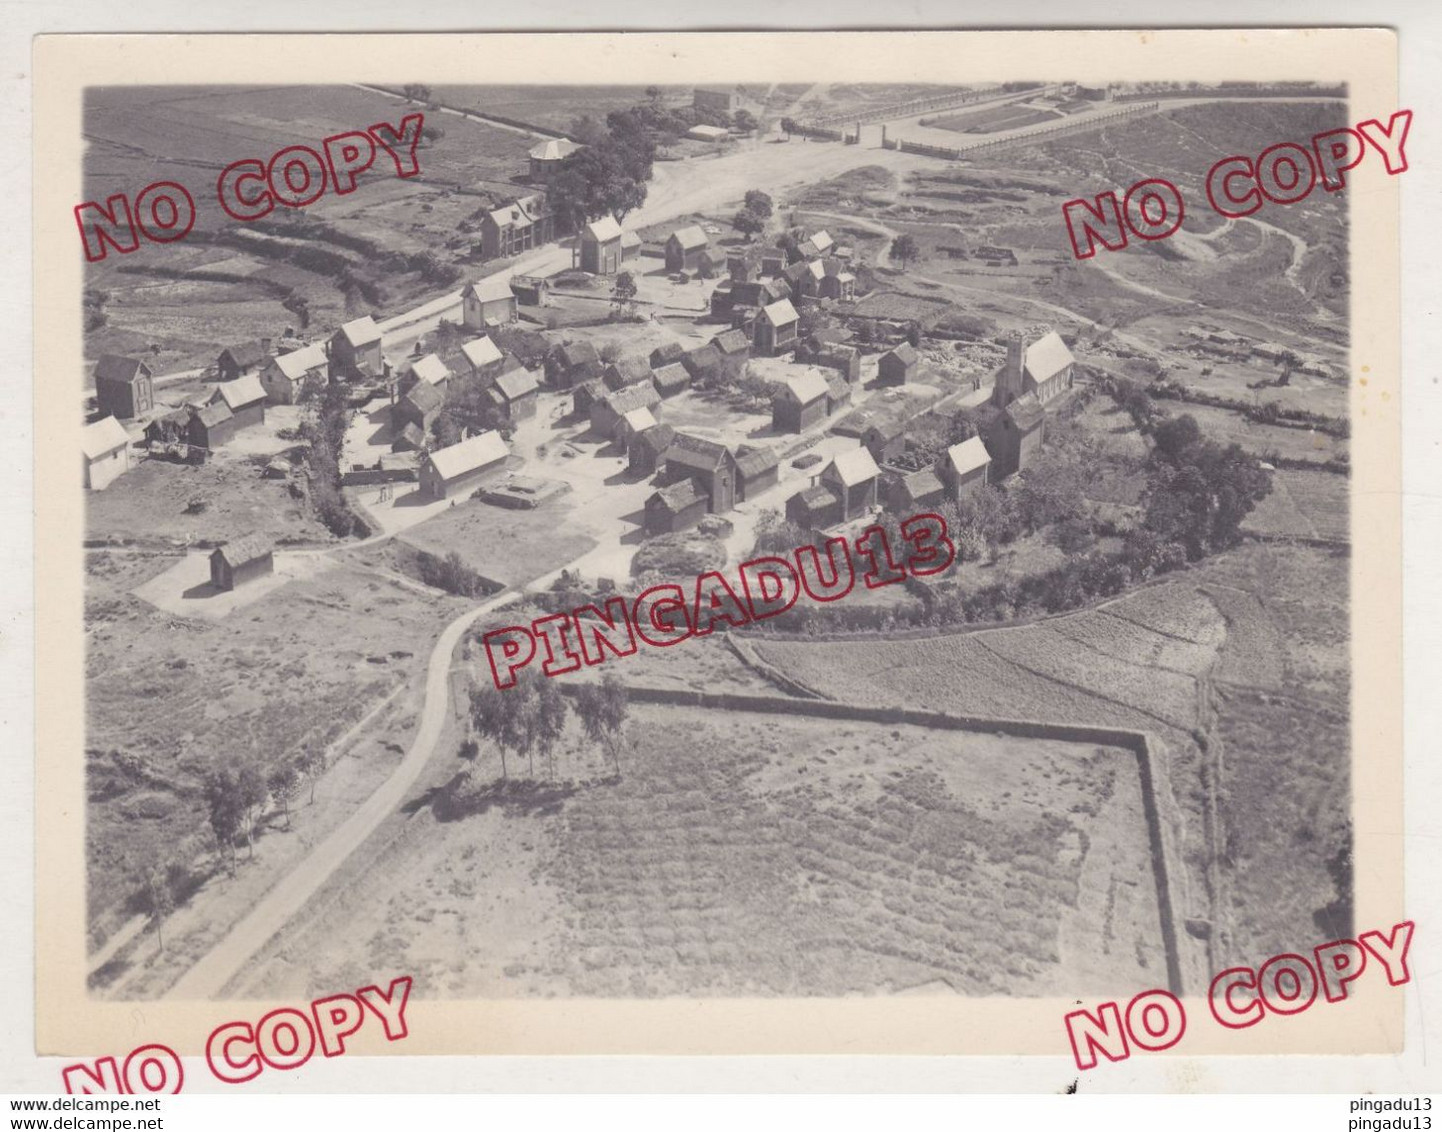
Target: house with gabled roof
point(488, 302)
point(814, 508)
point(411, 438)
point(448, 472)
point(707, 461)
point(666, 353)
point(632, 425)
point(241, 560)
point(607, 410)
point(429, 370)
point(1016, 436)
point(515, 393)
point(819, 243)
point(885, 439)
point(964, 467)
point(776, 328)
point(210, 426)
point(520, 226)
point(909, 492)
point(799, 401)
point(757, 468)
point(601, 246)
point(484, 357)
point(898, 365)
point(675, 507)
point(245, 398)
point(646, 450)
point(572, 363)
point(289, 378)
point(586, 395)
point(853, 476)
point(838, 392)
point(626, 371)
point(1043, 369)
point(106, 447)
point(684, 247)
point(630, 245)
point(355, 350)
point(671, 379)
point(702, 361)
point(124, 387)
point(420, 407)
point(242, 358)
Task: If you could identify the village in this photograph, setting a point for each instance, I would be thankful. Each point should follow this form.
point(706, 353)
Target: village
point(601, 404)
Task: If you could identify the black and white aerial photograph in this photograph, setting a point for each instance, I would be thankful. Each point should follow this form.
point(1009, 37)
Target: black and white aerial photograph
point(714, 542)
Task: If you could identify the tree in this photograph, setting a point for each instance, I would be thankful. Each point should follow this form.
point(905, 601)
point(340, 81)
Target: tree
point(608, 177)
point(432, 133)
point(251, 795)
point(602, 709)
point(743, 121)
point(653, 93)
point(524, 718)
point(416, 92)
point(549, 721)
point(905, 248)
point(758, 202)
point(748, 223)
point(311, 765)
point(788, 126)
point(221, 791)
point(623, 292)
point(284, 784)
point(161, 898)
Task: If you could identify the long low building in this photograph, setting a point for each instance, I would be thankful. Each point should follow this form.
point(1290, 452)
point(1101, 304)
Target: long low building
point(448, 472)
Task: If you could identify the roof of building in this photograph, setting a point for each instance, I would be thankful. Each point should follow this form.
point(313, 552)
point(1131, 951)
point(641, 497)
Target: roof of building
point(602, 231)
point(246, 353)
point(837, 386)
point(821, 240)
point(525, 210)
point(666, 353)
point(572, 354)
point(637, 420)
point(732, 341)
point(855, 466)
point(702, 357)
point(780, 313)
point(212, 415)
point(694, 451)
point(689, 237)
point(904, 353)
point(241, 392)
point(967, 456)
point(678, 496)
point(670, 378)
point(361, 331)
point(113, 367)
point(490, 289)
point(627, 371)
point(622, 401)
point(553, 149)
point(425, 397)
point(468, 455)
point(515, 384)
point(481, 352)
point(804, 388)
point(630, 239)
point(817, 496)
point(921, 484)
point(430, 369)
point(412, 434)
point(657, 438)
point(707, 133)
point(755, 461)
point(887, 428)
point(239, 551)
point(1047, 357)
point(1026, 412)
point(296, 364)
point(103, 437)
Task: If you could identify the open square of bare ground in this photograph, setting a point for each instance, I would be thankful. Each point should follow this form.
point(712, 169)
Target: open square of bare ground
point(758, 854)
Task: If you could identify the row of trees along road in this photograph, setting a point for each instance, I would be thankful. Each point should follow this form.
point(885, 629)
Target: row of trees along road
point(529, 718)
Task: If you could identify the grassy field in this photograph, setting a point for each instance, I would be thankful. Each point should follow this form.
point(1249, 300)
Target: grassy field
point(992, 120)
point(745, 854)
point(1306, 504)
point(168, 698)
point(551, 107)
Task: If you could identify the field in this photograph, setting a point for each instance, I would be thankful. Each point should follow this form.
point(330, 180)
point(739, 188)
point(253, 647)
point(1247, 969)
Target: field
point(552, 108)
point(158, 304)
point(742, 854)
point(224, 498)
point(169, 698)
point(1306, 504)
point(1248, 649)
point(992, 120)
point(1226, 427)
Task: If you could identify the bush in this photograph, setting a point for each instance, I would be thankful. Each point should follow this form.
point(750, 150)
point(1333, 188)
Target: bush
point(450, 574)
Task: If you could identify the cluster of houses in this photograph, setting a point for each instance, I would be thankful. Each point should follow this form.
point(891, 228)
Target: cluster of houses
point(1230, 345)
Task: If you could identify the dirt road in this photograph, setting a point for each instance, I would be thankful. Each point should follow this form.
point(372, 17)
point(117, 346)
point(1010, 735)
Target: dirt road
point(209, 976)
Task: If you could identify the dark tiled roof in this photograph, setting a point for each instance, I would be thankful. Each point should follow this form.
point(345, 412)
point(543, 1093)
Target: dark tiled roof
point(696, 452)
point(679, 496)
point(756, 461)
point(242, 550)
point(113, 367)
